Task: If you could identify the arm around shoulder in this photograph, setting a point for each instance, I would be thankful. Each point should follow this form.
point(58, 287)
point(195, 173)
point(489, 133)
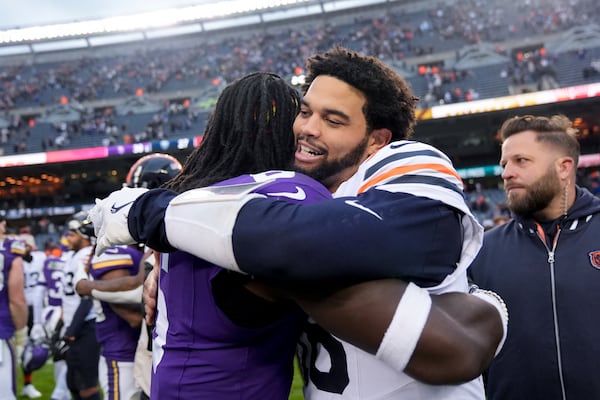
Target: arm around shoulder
point(462, 334)
point(455, 342)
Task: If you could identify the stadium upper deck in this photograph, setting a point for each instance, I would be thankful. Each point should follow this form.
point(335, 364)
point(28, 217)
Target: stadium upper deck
point(449, 51)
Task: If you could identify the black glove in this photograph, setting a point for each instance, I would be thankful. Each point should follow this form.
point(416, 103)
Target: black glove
point(60, 349)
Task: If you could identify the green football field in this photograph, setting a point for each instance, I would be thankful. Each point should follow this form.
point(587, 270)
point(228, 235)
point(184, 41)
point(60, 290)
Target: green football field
point(43, 380)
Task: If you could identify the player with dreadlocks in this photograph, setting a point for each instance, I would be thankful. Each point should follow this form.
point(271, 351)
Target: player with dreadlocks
point(237, 140)
point(248, 132)
point(206, 345)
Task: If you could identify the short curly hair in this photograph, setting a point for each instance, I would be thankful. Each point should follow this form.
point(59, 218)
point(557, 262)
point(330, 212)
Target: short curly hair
point(390, 103)
point(556, 130)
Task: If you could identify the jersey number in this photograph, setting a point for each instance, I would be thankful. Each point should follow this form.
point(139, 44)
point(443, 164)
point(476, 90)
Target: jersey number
point(32, 279)
point(336, 379)
point(68, 287)
point(55, 291)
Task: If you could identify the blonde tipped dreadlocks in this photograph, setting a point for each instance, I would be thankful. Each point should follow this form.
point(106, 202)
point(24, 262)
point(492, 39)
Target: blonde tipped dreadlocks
point(249, 131)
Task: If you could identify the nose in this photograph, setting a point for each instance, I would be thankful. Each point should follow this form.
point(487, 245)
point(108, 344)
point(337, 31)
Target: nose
point(507, 172)
point(308, 125)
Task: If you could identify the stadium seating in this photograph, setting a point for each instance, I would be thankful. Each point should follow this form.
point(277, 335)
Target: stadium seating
point(67, 100)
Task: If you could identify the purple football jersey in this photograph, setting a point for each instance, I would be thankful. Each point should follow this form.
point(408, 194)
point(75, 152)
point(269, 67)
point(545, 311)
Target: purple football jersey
point(199, 352)
point(9, 249)
point(117, 337)
point(53, 272)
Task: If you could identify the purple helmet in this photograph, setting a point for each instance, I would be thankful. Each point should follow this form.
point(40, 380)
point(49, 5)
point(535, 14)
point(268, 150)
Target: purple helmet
point(34, 356)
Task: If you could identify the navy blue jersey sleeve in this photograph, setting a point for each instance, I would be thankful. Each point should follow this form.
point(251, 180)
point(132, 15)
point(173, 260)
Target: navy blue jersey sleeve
point(146, 219)
point(146, 216)
point(74, 330)
point(376, 235)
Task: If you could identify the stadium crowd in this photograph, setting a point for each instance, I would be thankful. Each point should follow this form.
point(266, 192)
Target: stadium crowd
point(397, 37)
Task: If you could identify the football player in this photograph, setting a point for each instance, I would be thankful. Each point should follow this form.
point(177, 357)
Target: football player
point(54, 266)
point(35, 291)
point(201, 335)
point(150, 171)
point(13, 309)
point(79, 314)
point(118, 325)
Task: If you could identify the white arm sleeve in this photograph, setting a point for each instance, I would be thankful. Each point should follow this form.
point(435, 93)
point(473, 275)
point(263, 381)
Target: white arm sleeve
point(200, 222)
point(127, 296)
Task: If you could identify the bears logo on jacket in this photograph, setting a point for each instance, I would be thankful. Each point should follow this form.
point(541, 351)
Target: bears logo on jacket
point(595, 259)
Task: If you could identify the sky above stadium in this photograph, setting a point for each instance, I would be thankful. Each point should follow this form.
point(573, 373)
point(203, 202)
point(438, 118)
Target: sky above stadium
point(24, 13)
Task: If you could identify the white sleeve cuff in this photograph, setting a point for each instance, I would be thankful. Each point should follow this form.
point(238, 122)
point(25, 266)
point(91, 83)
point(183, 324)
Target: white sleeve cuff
point(133, 296)
point(403, 334)
point(200, 222)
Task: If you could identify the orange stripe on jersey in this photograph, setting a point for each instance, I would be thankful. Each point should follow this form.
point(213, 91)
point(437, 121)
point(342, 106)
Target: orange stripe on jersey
point(404, 170)
point(112, 263)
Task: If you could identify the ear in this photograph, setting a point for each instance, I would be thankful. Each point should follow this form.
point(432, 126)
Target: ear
point(378, 139)
point(566, 167)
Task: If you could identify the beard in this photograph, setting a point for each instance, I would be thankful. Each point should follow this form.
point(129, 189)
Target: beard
point(537, 196)
point(326, 172)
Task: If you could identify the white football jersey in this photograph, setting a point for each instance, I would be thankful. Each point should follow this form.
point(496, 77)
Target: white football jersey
point(71, 299)
point(334, 369)
point(341, 371)
point(35, 283)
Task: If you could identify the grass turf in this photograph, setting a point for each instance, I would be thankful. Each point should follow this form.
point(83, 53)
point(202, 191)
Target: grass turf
point(43, 380)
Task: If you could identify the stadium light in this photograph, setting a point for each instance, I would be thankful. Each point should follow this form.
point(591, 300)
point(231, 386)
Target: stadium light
point(298, 80)
point(142, 21)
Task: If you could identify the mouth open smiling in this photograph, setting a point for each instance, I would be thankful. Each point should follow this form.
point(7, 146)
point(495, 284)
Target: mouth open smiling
point(303, 149)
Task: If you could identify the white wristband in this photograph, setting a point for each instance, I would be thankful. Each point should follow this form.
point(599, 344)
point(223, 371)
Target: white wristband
point(494, 299)
point(401, 337)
